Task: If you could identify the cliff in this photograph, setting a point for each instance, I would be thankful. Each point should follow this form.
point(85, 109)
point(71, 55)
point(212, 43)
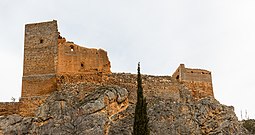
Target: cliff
point(94, 109)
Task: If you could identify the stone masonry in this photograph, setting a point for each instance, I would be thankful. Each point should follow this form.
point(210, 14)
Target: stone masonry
point(48, 55)
point(199, 81)
point(50, 61)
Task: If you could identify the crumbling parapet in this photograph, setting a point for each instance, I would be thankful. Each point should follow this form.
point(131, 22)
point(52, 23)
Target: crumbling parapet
point(75, 59)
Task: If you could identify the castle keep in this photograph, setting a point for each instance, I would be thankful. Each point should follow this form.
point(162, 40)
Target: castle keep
point(51, 63)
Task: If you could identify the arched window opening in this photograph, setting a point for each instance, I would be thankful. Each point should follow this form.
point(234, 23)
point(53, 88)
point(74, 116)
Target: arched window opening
point(72, 48)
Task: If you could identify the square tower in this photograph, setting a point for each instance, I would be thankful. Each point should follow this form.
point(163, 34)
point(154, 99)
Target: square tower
point(40, 58)
point(199, 81)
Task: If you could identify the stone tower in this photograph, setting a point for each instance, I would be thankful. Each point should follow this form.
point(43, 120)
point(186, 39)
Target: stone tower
point(199, 81)
point(40, 58)
point(50, 60)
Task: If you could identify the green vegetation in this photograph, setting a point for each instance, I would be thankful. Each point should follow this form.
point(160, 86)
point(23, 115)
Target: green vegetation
point(141, 118)
point(249, 125)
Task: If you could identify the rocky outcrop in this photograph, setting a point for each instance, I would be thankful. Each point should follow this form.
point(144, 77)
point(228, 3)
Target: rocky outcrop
point(107, 110)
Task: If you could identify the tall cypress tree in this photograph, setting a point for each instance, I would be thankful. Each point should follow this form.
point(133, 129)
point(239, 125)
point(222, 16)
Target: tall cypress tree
point(141, 118)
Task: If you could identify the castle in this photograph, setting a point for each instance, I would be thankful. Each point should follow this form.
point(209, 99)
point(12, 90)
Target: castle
point(51, 62)
point(48, 56)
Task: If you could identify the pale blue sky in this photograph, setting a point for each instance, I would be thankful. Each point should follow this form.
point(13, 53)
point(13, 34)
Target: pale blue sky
point(216, 35)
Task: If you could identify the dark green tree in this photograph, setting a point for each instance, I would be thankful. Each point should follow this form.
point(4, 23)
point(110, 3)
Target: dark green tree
point(141, 119)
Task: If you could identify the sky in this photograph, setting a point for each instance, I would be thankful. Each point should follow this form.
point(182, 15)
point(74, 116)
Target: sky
point(217, 35)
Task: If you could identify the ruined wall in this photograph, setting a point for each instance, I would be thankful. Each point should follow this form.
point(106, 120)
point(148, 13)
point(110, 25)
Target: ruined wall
point(25, 107)
point(161, 86)
point(79, 64)
point(40, 58)
point(76, 59)
point(8, 108)
point(80, 77)
point(29, 105)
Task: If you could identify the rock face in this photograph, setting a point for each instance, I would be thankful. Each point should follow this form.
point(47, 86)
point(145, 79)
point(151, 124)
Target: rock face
point(106, 110)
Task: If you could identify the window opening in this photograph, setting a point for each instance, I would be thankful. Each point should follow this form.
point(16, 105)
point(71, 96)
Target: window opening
point(72, 48)
point(41, 41)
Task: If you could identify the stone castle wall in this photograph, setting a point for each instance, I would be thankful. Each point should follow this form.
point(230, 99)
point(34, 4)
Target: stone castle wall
point(8, 108)
point(29, 105)
point(38, 85)
point(25, 107)
point(152, 85)
point(75, 59)
point(40, 48)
